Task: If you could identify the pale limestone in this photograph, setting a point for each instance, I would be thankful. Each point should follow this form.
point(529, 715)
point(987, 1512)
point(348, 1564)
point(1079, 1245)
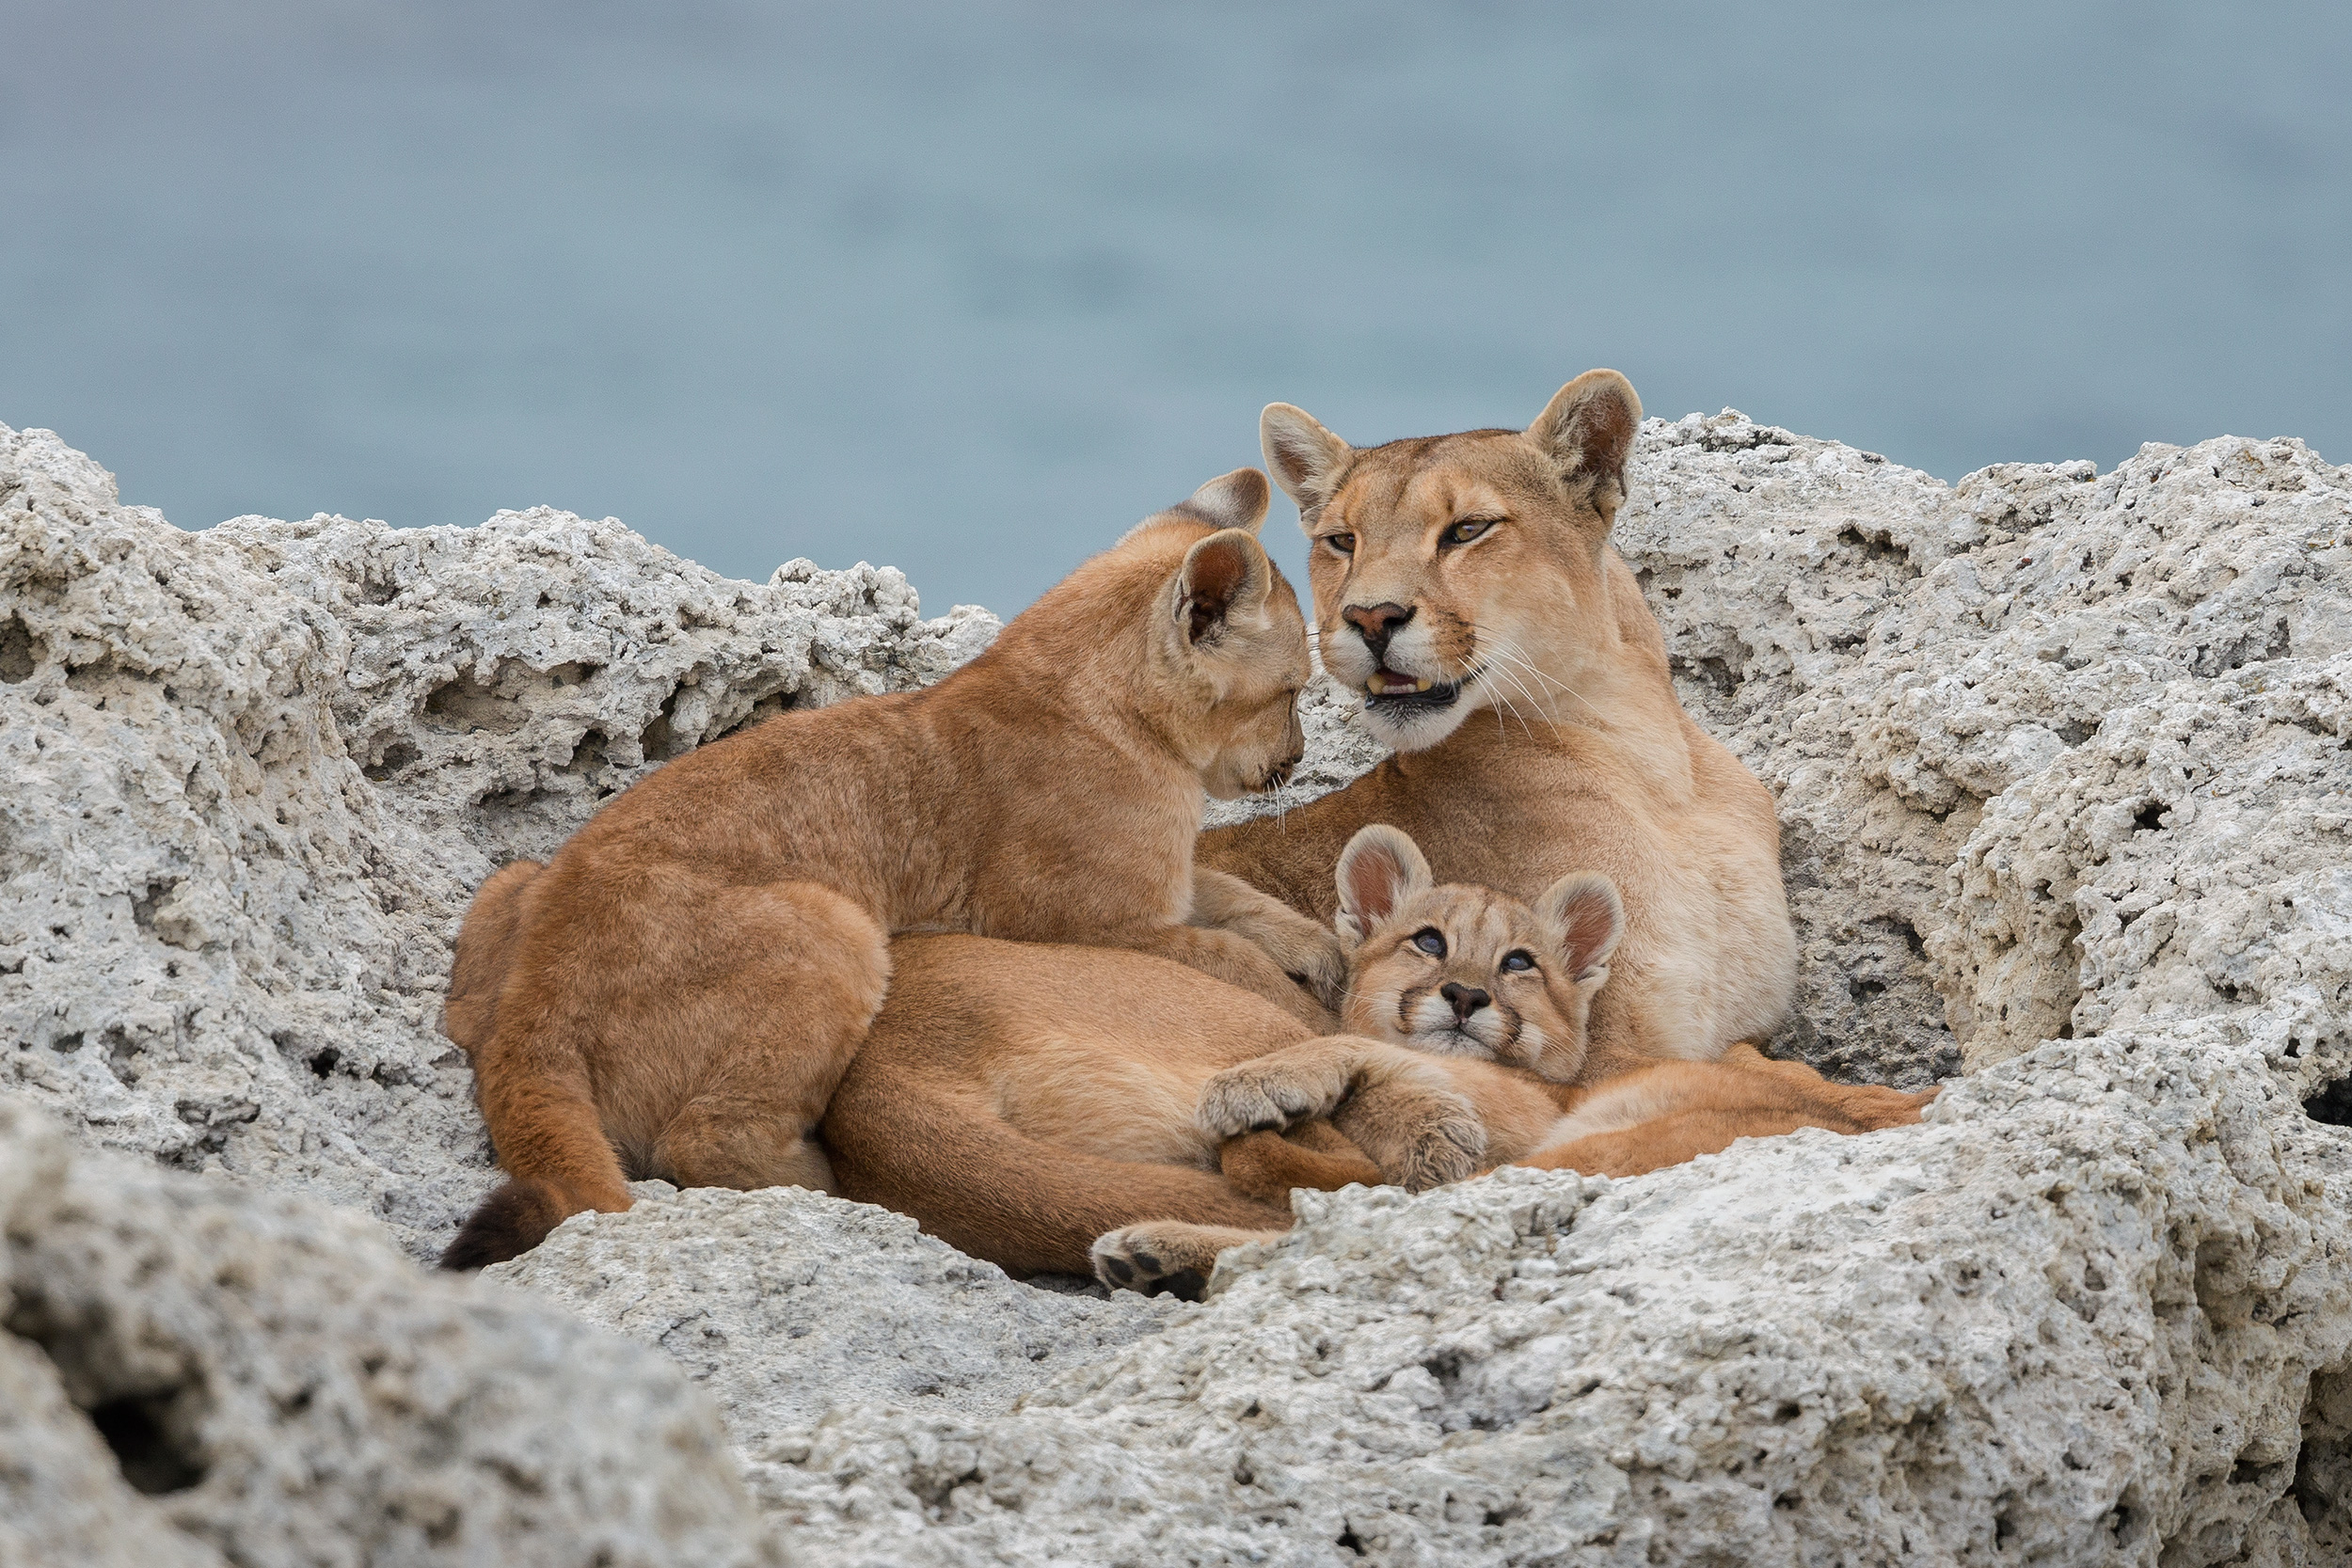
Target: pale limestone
point(196, 1372)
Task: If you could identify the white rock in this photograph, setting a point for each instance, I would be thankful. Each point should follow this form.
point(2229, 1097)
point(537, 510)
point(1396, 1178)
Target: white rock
point(197, 1372)
point(786, 1303)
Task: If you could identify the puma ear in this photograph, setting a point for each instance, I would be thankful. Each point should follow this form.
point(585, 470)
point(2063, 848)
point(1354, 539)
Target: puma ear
point(1224, 575)
point(1590, 918)
point(1230, 501)
point(1380, 868)
point(1587, 428)
point(1304, 458)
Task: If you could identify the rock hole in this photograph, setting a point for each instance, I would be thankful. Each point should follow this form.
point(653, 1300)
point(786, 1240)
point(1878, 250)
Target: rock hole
point(1910, 934)
point(1347, 1538)
point(139, 1431)
point(1865, 990)
point(21, 652)
point(66, 1042)
point(399, 754)
point(589, 754)
point(2073, 731)
point(322, 1062)
point(1714, 671)
point(2323, 1466)
point(1872, 547)
point(2150, 818)
point(656, 740)
point(468, 703)
point(2332, 1104)
point(143, 905)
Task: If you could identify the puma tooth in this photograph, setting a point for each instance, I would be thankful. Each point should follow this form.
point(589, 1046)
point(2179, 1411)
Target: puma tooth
point(1420, 686)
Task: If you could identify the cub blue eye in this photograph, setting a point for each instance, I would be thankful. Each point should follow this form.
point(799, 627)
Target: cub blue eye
point(1519, 961)
point(1429, 942)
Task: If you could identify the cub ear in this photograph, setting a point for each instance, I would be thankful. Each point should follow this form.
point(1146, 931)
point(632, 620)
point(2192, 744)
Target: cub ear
point(1380, 868)
point(1224, 575)
point(1304, 458)
point(1230, 501)
point(1589, 917)
point(1587, 428)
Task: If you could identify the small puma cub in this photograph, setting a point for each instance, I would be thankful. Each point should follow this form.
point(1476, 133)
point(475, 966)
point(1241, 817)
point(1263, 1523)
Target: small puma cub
point(677, 991)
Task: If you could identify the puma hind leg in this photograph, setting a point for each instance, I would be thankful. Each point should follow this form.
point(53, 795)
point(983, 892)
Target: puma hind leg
point(784, 1029)
point(704, 1042)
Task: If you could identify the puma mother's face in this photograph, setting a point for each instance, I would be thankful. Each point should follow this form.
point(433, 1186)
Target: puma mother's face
point(1452, 573)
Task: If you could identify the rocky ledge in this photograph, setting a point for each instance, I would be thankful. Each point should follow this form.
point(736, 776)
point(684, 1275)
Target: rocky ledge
point(2065, 762)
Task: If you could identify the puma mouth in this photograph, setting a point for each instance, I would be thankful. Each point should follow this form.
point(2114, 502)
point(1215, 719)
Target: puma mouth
point(1386, 689)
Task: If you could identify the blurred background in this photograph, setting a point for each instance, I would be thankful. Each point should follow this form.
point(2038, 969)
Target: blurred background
point(968, 287)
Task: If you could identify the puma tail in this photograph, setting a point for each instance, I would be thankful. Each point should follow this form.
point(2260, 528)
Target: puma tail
point(515, 1217)
point(543, 1119)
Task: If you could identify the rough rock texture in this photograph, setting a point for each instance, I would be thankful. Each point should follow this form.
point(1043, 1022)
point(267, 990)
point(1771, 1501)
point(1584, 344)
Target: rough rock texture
point(196, 1372)
point(249, 778)
point(783, 1300)
point(2065, 770)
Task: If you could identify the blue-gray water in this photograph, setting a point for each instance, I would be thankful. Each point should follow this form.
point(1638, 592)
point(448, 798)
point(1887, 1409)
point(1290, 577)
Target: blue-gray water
point(969, 287)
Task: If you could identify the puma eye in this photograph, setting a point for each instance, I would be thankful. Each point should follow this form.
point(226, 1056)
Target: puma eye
point(1467, 529)
point(1430, 942)
point(1344, 544)
point(1519, 961)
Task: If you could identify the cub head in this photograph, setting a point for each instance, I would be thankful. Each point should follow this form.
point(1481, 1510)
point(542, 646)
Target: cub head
point(1452, 573)
point(1223, 646)
point(1465, 971)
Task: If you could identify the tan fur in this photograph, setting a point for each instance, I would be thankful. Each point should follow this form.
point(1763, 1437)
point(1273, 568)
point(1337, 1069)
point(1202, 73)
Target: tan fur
point(1566, 748)
point(1021, 1098)
point(679, 990)
point(1057, 1109)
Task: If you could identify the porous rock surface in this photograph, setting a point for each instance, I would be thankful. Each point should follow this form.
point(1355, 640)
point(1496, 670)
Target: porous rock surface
point(198, 1372)
point(780, 1300)
point(2065, 762)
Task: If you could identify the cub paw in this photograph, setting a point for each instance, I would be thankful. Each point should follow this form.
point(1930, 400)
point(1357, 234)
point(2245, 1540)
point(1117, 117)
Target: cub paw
point(1263, 1097)
point(1420, 1138)
point(1309, 952)
point(1133, 1259)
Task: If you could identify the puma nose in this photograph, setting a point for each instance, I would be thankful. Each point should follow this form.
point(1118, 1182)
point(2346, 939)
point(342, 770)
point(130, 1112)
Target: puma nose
point(1465, 1000)
point(1375, 624)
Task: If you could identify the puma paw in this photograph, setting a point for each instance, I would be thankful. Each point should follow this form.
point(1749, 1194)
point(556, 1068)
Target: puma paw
point(1310, 954)
point(1132, 1259)
point(1420, 1138)
point(1264, 1096)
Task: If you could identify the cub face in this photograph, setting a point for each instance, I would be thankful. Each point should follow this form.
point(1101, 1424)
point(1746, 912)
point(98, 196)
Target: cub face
point(1465, 971)
point(1228, 650)
point(1458, 572)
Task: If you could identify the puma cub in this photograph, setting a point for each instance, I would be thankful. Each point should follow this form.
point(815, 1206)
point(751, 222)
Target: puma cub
point(1063, 1110)
point(677, 991)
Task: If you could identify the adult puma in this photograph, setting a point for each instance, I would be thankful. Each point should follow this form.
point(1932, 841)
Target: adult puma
point(679, 990)
point(1054, 1108)
point(1472, 574)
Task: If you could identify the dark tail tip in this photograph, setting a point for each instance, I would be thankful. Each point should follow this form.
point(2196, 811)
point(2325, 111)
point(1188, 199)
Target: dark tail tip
point(511, 1221)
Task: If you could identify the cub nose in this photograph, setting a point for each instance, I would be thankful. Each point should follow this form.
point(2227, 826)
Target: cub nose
point(1375, 624)
point(1464, 1000)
